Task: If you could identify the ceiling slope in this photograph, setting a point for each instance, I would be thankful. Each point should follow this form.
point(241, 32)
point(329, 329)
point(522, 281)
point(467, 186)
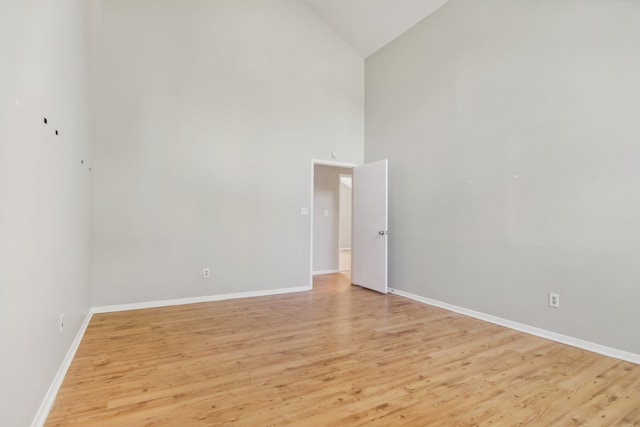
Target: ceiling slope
point(368, 25)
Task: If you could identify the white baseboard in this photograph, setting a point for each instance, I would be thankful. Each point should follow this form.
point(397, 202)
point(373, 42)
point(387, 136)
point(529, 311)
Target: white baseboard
point(50, 397)
point(321, 272)
point(195, 300)
point(345, 249)
point(543, 333)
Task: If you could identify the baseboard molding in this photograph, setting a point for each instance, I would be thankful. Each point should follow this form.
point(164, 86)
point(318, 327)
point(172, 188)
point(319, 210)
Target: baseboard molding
point(345, 249)
point(50, 397)
point(321, 272)
point(542, 333)
point(195, 300)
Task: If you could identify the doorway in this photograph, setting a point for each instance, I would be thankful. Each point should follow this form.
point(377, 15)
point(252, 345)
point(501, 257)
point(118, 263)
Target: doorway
point(331, 219)
point(369, 222)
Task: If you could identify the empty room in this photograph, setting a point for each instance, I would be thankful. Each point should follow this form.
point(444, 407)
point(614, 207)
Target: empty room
point(166, 258)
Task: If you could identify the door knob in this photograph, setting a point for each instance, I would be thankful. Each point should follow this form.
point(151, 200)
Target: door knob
point(382, 232)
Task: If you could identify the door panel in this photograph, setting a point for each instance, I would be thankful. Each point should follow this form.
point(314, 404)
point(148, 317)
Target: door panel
point(370, 235)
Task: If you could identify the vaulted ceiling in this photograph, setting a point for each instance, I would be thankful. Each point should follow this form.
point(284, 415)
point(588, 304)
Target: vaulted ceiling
point(368, 25)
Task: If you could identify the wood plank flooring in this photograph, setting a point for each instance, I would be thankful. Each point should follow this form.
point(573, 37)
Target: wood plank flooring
point(338, 355)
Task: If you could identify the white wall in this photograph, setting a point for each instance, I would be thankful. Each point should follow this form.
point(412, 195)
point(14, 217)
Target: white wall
point(326, 197)
point(512, 133)
point(44, 193)
point(209, 114)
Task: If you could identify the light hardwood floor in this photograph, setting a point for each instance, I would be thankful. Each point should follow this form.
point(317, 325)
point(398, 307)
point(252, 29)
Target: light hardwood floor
point(338, 355)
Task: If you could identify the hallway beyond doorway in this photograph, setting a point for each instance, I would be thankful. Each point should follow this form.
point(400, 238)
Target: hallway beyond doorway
point(345, 260)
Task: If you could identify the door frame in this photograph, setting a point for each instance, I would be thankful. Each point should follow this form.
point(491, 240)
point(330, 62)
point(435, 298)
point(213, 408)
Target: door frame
point(314, 163)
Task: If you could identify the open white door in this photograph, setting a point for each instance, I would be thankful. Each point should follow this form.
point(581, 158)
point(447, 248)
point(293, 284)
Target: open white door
point(369, 226)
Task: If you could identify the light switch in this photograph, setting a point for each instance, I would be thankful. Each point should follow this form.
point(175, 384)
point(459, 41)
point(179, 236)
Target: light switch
point(326, 213)
point(304, 211)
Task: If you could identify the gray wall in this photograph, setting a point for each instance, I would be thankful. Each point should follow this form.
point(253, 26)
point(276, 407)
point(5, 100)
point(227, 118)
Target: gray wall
point(44, 194)
point(208, 116)
point(512, 132)
point(326, 228)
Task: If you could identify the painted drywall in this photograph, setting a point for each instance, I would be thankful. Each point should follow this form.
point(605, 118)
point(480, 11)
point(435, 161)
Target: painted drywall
point(511, 129)
point(344, 232)
point(44, 193)
point(209, 114)
point(326, 218)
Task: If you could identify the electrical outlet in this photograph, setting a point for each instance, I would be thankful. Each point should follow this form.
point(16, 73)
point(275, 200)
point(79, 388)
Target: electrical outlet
point(554, 300)
point(206, 273)
point(61, 324)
